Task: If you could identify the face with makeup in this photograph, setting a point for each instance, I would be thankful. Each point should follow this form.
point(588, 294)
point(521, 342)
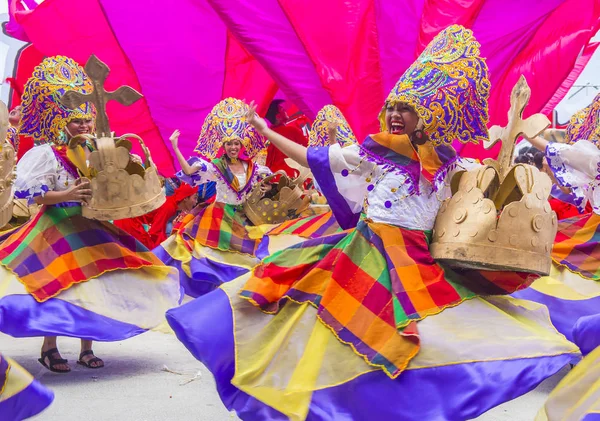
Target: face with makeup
point(233, 148)
point(79, 126)
point(401, 118)
point(14, 118)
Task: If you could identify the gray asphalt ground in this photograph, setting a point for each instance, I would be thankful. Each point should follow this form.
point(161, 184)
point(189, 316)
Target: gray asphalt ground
point(136, 386)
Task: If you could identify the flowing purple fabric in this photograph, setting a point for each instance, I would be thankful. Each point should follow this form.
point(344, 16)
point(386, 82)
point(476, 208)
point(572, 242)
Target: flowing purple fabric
point(455, 392)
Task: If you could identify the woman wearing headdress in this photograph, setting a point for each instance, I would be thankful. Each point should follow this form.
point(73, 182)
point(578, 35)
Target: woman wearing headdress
point(21, 396)
point(216, 243)
point(364, 324)
point(213, 243)
point(329, 128)
point(62, 274)
point(572, 291)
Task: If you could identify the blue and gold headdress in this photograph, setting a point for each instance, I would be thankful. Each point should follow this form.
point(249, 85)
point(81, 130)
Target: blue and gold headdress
point(319, 131)
point(585, 124)
point(43, 117)
point(448, 86)
point(226, 122)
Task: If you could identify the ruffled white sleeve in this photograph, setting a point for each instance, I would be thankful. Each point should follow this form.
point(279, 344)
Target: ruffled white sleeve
point(37, 173)
point(263, 171)
point(204, 171)
point(443, 178)
point(344, 178)
point(577, 166)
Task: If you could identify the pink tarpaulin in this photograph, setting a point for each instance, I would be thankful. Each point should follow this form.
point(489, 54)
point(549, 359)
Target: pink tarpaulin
point(185, 56)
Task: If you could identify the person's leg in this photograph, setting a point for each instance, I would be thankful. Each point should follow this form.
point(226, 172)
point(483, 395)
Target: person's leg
point(51, 358)
point(87, 357)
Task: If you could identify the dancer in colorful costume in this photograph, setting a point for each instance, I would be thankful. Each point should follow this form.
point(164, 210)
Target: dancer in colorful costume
point(215, 245)
point(572, 291)
point(219, 243)
point(329, 128)
point(328, 330)
point(21, 396)
point(62, 274)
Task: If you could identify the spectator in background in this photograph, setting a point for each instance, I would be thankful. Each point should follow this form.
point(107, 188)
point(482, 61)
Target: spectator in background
point(154, 227)
point(560, 199)
point(280, 123)
point(20, 143)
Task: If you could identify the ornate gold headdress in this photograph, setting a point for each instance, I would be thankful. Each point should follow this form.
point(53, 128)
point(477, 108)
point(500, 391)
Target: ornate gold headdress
point(227, 121)
point(448, 86)
point(121, 188)
point(43, 116)
point(498, 217)
point(319, 131)
point(289, 201)
point(585, 124)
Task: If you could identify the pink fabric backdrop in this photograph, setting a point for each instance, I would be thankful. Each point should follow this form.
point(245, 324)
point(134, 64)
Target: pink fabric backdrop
point(185, 56)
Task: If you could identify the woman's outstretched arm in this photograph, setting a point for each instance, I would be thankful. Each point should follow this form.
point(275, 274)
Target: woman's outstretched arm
point(285, 145)
point(185, 166)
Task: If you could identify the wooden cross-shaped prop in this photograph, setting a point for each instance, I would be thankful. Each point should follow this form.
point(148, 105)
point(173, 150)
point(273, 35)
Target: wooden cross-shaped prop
point(97, 71)
point(516, 127)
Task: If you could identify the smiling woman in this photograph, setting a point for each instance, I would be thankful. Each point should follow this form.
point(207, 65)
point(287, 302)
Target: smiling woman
point(401, 118)
point(62, 274)
point(354, 325)
point(214, 245)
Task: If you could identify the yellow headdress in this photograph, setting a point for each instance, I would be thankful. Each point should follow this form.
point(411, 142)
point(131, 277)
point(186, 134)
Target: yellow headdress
point(44, 117)
point(226, 122)
point(448, 86)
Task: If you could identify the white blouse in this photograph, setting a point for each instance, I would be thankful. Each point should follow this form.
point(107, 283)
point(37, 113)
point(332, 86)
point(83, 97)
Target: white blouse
point(577, 166)
point(205, 171)
point(40, 171)
point(387, 195)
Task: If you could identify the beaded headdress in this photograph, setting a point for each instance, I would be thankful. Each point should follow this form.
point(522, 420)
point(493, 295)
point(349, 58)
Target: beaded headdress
point(319, 131)
point(226, 122)
point(43, 116)
point(448, 86)
point(585, 124)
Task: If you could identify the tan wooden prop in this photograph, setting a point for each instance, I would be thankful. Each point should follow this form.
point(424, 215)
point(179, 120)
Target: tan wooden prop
point(498, 217)
point(8, 160)
point(120, 187)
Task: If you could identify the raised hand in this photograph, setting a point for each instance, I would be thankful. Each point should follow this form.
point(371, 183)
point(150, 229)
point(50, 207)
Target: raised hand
point(253, 118)
point(175, 139)
point(332, 132)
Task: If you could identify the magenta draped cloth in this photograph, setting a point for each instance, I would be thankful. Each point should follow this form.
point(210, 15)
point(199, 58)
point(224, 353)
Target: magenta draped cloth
point(185, 56)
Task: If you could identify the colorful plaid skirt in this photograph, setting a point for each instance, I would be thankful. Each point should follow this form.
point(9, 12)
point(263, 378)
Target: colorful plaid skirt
point(577, 245)
point(59, 248)
point(370, 285)
point(572, 290)
point(222, 227)
point(218, 244)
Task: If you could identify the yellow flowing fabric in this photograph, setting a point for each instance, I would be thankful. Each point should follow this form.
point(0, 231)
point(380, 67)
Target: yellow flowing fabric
point(577, 395)
point(282, 359)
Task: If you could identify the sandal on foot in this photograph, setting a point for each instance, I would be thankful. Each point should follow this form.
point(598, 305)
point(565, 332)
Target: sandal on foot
point(53, 362)
point(88, 364)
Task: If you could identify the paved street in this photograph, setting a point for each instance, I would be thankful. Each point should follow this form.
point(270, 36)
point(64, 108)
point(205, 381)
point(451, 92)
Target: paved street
point(134, 386)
